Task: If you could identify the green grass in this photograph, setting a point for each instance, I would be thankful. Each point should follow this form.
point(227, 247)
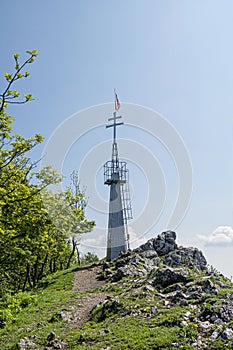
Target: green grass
point(133, 332)
point(39, 316)
point(126, 333)
point(38, 313)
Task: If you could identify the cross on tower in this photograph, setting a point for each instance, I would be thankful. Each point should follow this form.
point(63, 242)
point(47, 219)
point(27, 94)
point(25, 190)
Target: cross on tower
point(114, 125)
point(115, 160)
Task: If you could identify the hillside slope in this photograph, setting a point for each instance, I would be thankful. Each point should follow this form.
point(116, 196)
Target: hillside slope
point(159, 296)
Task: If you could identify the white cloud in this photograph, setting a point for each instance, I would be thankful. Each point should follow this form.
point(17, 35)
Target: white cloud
point(221, 236)
point(96, 241)
point(134, 240)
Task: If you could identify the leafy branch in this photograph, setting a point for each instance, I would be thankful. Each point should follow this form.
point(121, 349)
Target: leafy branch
point(13, 96)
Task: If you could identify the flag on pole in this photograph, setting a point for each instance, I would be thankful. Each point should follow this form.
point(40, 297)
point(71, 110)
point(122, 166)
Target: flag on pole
point(117, 103)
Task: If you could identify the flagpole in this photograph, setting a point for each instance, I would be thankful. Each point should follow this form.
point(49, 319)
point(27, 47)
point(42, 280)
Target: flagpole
point(114, 99)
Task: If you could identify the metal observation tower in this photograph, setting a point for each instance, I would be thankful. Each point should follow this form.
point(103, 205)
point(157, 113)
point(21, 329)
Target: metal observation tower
point(116, 176)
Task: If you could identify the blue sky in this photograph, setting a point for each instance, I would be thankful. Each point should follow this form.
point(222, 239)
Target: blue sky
point(173, 57)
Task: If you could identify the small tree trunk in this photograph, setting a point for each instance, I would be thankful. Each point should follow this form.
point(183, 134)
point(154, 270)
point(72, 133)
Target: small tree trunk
point(40, 275)
point(78, 256)
point(74, 244)
point(51, 266)
point(35, 273)
point(27, 278)
point(54, 265)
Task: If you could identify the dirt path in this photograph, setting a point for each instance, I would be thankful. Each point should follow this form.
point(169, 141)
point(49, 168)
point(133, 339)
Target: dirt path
point(85, 280)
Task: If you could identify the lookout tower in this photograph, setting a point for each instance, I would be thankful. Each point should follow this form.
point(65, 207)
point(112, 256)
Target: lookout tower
point(116, 175)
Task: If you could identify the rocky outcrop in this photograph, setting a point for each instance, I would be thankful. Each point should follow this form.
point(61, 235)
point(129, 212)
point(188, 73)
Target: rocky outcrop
point(53, 343)
point(167, 276)
point(162, 250)
point(190, 257)
point(176, 275)
point(163, 244)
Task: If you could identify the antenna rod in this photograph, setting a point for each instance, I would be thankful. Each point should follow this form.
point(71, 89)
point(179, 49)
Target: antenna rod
point(114, 129)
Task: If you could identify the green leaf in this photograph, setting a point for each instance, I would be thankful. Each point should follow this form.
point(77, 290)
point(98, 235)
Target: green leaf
point(8, 76)
point(16, 93)
point(29, 97)
point(16, 56)
point(39, 138)
point(35, 53)
point(19, 75)
point(26, 74)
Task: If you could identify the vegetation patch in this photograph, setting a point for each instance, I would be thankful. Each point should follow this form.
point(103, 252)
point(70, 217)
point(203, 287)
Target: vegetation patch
point(36, 313)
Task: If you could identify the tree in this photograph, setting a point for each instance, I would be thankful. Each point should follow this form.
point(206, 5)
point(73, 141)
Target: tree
point(79, 224)
point(35, 224)
point(89, 258)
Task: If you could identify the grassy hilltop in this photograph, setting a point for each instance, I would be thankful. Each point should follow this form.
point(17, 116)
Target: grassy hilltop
point(159, 296)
